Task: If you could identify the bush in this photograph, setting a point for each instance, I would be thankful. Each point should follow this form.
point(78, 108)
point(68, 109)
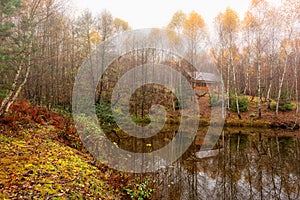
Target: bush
point(243, 103)
point(283, 106)
point(179, 106)
point(252, 115)
point(104, 113)
point(284, 103)
point(141, 120)
point(140, 191)
point(3, 93)
point(213, 100)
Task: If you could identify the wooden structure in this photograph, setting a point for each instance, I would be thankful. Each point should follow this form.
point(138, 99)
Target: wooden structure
point(203, 81)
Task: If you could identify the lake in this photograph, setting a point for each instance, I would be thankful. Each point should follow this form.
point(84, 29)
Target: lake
point(244, 164)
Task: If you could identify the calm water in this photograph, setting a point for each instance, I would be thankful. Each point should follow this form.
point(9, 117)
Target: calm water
point(253, 164)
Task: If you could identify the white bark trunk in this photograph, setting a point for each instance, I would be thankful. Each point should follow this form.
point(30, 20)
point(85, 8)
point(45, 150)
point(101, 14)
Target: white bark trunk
point(228, 85)
point(247, 81)
point(296, 93)
point(7, 100)
point(271, 82)
point(235, 92)
point(15, 90)
point(18, 90)
point(280, 87)
point(258, 91)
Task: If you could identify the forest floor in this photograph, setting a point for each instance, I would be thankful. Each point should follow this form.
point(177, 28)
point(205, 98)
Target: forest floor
point(250, 117)
point(42, 157)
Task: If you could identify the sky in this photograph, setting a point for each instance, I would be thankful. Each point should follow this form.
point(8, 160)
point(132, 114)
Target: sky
point(158, 13)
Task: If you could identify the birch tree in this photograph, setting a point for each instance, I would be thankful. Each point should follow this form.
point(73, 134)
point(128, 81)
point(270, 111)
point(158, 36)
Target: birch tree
point(20, 19)
point(195, 28)
point(228, 27)
point(291, 19)
point(275, 27)
point(177, 22)
point(258, 10)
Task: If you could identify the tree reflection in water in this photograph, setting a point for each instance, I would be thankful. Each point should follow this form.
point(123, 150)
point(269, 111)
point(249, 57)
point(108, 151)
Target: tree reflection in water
point(244, 165)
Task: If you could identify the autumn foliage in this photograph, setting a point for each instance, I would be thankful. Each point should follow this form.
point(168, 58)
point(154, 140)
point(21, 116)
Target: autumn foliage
point(23, 112)
point(23, 115)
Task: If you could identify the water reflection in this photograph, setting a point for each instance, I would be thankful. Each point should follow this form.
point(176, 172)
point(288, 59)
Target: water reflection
point(243, 165)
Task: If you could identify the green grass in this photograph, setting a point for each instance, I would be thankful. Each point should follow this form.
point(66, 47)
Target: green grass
point(246, 123)
point(35, 166)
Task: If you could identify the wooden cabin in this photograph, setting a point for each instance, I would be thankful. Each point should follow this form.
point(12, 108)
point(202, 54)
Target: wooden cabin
point(203, 81)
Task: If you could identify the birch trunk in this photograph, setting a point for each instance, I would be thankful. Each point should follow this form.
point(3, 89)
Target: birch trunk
point(235, 93)
point(247, 81)
point(258, 91)
point(296, 92)
point(19, 89)
point(5, 102)
point(15, 90)
point(270, 86)
point(228, 99)
point(280, 87)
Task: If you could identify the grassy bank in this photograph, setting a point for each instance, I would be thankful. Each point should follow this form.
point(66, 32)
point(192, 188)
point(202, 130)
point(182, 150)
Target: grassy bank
point(42, 157)
point(34, 165)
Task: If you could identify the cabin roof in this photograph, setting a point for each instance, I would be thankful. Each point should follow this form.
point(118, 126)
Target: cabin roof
point(204, 76)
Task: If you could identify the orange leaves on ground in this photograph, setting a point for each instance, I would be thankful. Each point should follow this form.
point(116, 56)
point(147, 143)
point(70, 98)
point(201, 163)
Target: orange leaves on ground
point(23, 113)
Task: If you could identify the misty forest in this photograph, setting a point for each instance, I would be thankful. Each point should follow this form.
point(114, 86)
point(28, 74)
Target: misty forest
point(242, 109)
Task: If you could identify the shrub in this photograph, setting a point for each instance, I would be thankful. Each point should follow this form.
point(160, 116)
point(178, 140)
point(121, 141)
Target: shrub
point(140, 191)
point(141, 120)
point(283, 106)
point(3, 93)
point(179, 106)
point(213, 100)
point(243, 103)
point(252, 115)
point(104, 113)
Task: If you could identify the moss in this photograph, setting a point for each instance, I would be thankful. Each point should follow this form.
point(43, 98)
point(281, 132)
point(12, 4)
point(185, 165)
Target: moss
point(35, 166)
point(247, 123)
